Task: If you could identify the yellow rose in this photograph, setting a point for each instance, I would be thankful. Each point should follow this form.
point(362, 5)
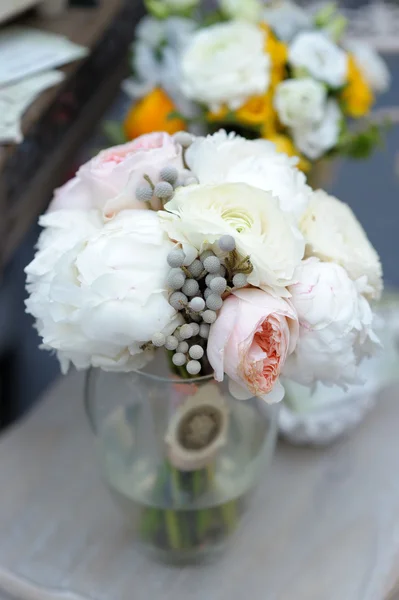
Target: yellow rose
point(151, 114)
point(357, 95)
point(285, 145)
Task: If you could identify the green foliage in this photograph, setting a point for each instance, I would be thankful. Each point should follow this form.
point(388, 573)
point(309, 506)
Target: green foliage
point(360, 144)
point(114, 132)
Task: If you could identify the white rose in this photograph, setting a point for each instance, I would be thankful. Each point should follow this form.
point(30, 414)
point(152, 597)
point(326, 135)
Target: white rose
point(372, 66)
point(320, 57)
point(250, 10)
point(97, 291)
point(335, 326)
point(286, 19)
point(199, 215)
point(332, 233)
point(319, 138)
point(229, 158)
point(300, 102)
point(226, 64)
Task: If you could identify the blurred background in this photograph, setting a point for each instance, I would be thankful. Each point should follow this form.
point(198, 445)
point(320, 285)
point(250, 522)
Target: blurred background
point(63, 126)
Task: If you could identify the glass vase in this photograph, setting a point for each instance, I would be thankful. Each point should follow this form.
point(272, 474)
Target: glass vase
point(179, 456)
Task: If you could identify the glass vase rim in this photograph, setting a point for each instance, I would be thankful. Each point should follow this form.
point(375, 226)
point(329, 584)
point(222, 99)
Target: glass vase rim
point(174, 378)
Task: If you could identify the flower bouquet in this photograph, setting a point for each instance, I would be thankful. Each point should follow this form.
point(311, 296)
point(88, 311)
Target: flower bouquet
point(213, 256)
point(270, 71)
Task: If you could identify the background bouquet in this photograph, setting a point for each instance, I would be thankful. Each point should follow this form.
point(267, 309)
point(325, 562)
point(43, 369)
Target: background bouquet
point(215, 250)
point(270, 71)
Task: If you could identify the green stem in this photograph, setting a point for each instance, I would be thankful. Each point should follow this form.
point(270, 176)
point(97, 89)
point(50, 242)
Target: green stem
point(173, 529)
point(229, 514)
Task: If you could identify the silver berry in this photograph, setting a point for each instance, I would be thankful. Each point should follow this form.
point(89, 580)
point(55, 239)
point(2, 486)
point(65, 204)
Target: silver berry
point(158, 339)
point(182, 347)
point(218, 285)
point(205, 254)
point(209, 316)
point(190, 287)
point(240, 280)
point(214, 302)
point(178, 300)
point(176, 279)
point(196, 268)
point(183, 138)
point(204, 331)
point(169, 174)
point(176, 258)
point(190, 181)
point(193, 367)
point(197, 304)
point(222, 271)
point(144, 193)
point(207, 293)
point(171, 342)
point(212, 264)
point(179, 359)
point(186, 332)
point(163, 190)
point(227, 243)
point(210, 277)
point(196, 352)
point(195, 327)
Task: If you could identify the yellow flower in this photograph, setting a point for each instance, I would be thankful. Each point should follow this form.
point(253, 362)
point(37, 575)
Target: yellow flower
point(151, 114)
point(357, 95)
point(284, 144)
point(278, 53)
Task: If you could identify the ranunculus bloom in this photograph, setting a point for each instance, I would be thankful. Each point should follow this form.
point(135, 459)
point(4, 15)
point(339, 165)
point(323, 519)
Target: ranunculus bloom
point(226, 64)
point(300, 102)
point(250, 341)
point(332, 233)
point(109, 181)
point(222, 158)
point(316, 139)
point(98, 291)
point(335, 326)
point(198, 215)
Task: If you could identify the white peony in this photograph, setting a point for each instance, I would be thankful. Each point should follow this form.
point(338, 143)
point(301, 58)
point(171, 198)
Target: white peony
point(286, 19)
point(156, 60)
point(300, 102)
point(97, 291)
point(250, 10)
point(332, 233)
point(315, 53)
point(372, 66)
point(319, 138)
point(199, 215)
point(226, 64)
point(335, 326)
point(229, 158)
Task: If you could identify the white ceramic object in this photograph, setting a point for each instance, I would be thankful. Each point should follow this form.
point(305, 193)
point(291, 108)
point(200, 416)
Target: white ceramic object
point(48, 8)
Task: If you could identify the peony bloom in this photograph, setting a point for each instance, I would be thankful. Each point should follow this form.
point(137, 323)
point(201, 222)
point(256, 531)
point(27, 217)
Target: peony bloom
point(333, 234)
point(315, 53)
point(374, 69)
point(250, 10)
point(316, 140)
point(335, 326)
point(108, 182)
point(228, 158)
point(250, 341)
point(199, 215)
point(300, 102)
point(217, 71)
point(98, 291)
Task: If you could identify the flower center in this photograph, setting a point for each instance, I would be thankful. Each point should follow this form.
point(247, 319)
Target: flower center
point(240, 221)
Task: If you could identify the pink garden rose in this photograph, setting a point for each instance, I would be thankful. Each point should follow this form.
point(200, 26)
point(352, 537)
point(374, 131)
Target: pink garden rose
point(250, 341)
point(109, 181)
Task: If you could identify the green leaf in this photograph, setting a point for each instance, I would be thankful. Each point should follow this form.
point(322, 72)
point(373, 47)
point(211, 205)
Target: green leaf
point(114, 132)
point(360, 144)
point(175, 114)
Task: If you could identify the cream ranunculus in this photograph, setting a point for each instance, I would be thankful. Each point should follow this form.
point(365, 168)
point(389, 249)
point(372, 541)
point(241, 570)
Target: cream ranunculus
point(335, 326)
point(250, 10)
point(286, 19)
point(229, 158)
point(333, 234)
point(300, 102)
point(317, 139)
point(372, 66)
point(226, 64)
point(315, 53)
point(98, 292)
point(199, 215)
